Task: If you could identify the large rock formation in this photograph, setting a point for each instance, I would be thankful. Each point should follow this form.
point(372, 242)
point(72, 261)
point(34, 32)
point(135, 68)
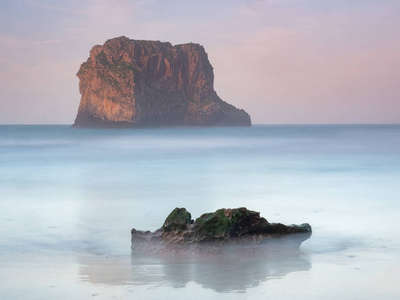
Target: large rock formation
point(132, 83)
point(223, 229)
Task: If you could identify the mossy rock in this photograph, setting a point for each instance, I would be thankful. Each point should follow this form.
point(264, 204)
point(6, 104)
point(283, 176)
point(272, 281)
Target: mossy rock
point(223, 223)
point(177, 220)
point(221, 230)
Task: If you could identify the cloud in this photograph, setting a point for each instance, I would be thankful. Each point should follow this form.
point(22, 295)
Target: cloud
point(20, 56)
point(331, 69)
point(54, 7)
point(46, 42)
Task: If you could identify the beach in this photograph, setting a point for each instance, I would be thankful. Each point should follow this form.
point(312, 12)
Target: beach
point(69, 198)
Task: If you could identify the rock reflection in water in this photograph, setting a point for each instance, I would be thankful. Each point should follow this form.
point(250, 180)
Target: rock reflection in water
point(229, 272)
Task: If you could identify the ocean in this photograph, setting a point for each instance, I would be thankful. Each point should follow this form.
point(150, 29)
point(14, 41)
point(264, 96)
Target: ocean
point(69, 198)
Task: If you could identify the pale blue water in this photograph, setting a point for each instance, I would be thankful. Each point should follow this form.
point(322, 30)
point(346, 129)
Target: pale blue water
point(69, 197)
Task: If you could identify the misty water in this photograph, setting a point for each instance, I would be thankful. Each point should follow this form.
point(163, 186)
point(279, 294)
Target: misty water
point(69, 198)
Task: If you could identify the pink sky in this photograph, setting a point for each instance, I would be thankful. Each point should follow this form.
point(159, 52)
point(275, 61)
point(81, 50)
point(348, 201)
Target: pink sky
point(283, 61)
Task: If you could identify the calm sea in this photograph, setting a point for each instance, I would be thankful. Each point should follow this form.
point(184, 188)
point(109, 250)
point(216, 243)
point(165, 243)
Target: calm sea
point(69, 198)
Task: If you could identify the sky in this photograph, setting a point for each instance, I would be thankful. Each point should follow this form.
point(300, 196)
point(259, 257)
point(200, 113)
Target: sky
point(283, 61)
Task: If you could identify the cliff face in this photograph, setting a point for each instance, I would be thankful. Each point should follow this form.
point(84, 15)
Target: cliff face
point(131, 83)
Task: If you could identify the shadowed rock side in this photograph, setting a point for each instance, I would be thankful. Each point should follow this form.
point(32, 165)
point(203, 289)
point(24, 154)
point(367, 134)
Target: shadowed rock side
point(224, 229)
point(133, 83)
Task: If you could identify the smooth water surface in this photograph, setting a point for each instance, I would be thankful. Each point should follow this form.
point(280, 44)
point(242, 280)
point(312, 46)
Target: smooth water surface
point(69, 198)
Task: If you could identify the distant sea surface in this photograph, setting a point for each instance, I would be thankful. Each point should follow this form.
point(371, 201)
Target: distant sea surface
point(69, 198)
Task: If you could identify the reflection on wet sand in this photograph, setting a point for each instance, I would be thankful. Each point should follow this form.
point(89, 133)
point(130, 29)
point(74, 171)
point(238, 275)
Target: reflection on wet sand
point(229, 272)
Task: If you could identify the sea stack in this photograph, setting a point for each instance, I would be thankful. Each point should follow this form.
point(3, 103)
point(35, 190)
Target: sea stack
point(136, 83)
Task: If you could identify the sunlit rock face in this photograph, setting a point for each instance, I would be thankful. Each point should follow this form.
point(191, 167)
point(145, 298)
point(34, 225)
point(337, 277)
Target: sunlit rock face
point(222, 230)
point(134, 83)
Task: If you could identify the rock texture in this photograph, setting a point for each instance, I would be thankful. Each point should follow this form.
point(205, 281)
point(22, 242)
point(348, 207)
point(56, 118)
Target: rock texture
point(211, 232)
point(133, 83)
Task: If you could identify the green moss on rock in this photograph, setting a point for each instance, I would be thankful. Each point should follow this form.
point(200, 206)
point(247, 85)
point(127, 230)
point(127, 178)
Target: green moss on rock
point(223, 222)
point(177, 220)
point(124, 68)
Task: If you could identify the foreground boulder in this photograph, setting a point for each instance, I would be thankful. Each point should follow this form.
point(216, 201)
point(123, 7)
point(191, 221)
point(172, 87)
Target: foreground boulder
point(224, 229)
point(136, 83)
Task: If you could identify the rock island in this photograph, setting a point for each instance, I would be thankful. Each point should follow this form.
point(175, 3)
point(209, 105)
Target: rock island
point(138, 83)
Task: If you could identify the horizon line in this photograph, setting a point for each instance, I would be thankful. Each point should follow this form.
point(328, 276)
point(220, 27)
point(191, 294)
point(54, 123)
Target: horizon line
point(256, 124)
